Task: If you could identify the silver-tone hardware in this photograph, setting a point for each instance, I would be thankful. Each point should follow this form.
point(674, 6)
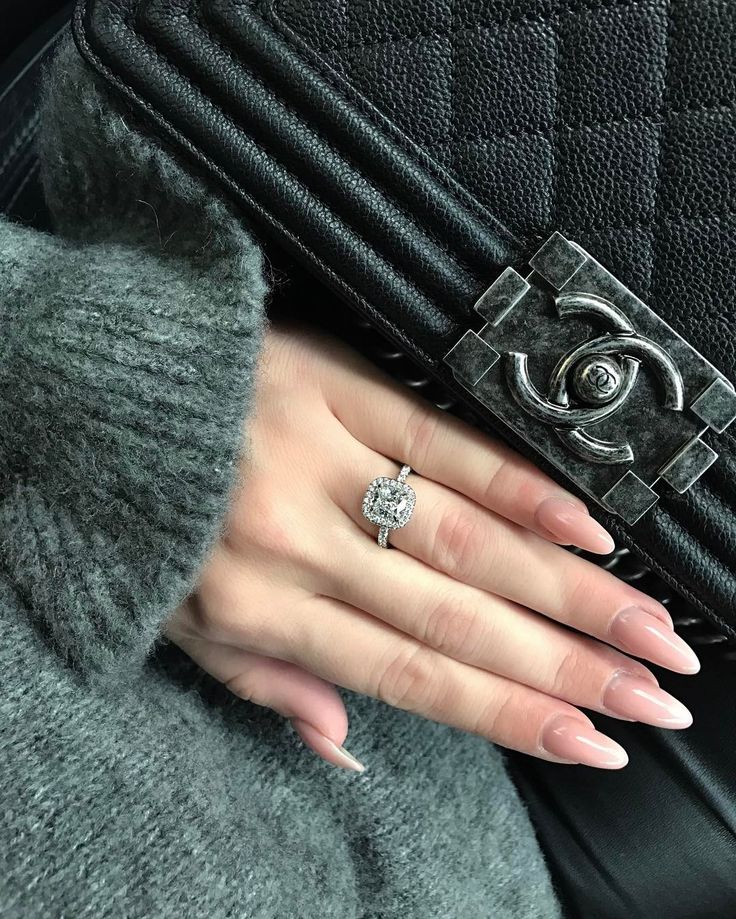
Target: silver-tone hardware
point(593, 378)
point(688, 464)
point(716, 406)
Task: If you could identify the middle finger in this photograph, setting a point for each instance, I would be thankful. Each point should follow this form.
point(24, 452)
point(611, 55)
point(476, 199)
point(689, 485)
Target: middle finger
point(477, 547)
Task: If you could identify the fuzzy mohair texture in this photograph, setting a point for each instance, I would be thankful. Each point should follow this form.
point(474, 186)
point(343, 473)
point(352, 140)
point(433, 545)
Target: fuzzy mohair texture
point(131, 784)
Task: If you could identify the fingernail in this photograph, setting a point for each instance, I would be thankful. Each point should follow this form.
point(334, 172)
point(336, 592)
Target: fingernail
point(347, 758)
point(578, 742)
point(640, 633)
point(637, 698)
point(321, 744)
point(644, 675)
point(571, 525)
point(664, 615)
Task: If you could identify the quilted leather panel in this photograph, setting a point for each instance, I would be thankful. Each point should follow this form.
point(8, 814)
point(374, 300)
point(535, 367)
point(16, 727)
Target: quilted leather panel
point(611, 120)
point(353, 131)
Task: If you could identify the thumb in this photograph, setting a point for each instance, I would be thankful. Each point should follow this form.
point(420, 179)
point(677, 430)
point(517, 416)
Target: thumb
point(313, 706)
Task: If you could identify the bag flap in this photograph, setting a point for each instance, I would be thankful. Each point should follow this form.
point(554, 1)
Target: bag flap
point(408, 156)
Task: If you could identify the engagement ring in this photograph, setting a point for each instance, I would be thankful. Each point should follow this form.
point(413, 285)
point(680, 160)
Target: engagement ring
point(389, 504)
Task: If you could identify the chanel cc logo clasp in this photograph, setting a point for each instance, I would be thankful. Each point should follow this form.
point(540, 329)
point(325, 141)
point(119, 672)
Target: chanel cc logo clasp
point(582, 369)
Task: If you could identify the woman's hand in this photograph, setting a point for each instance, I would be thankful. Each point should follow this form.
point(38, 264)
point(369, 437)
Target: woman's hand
point(465, 622)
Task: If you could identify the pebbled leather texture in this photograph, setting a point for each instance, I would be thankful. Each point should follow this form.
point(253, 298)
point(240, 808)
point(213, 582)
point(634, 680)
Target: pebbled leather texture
point(406, 152)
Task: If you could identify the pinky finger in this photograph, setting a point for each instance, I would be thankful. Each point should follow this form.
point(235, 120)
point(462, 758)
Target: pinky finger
point(313, 706)
point(367, 655)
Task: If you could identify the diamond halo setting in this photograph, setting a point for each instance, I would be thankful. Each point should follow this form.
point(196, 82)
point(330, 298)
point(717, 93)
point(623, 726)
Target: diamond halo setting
point(389, 504)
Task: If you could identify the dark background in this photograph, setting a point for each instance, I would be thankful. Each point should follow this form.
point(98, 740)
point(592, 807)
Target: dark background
point(19, 18)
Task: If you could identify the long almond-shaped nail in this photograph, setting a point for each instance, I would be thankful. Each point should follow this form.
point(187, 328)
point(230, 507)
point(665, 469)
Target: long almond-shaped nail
point(640, 633)
point(637, 698)
point(326, 748)
point(577, 742)
point(345, 757)
point(569, 524)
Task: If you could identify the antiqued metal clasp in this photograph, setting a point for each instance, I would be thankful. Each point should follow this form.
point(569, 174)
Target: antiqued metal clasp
point(586, 372)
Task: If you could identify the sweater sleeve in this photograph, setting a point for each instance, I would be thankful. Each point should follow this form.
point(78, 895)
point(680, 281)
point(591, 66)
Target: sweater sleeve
point(128, 342)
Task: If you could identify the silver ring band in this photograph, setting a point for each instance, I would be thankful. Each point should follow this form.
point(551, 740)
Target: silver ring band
point(389, 503)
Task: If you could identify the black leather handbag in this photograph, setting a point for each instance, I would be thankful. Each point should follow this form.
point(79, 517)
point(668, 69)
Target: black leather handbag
point(533, 198)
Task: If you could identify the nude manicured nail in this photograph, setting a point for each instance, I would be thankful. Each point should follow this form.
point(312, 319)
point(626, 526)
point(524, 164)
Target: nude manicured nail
point(578, 742)
point(642, 634)
point(328, 749)
point(637, 698)
point(571, 525)
point(347, 759)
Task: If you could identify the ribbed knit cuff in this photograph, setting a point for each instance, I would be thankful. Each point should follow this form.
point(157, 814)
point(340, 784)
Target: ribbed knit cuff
point(127, 351)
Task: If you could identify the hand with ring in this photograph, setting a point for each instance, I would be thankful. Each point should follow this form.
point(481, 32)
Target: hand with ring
point(448, 594)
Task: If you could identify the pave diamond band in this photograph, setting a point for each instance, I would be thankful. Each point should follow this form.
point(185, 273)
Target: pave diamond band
point(389, 504)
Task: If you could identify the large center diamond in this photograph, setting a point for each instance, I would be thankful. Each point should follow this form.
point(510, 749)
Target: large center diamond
point(388, 503)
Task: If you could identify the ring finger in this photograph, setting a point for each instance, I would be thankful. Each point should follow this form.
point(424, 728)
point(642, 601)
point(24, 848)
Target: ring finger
point(470, 544)
point(498, 634)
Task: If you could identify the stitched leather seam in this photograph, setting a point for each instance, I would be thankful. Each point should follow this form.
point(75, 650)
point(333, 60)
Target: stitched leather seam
point(342, 86)
point(271, 7)
point(713, 112)
point(654, 232)
point(160, 119)
point(340, 283)
point(453, 67)
point(683, 220)
point(222, 45)
point(489, 22)
point(670, 576)
point(458, 319)
point(554, 142)
point(653, 267)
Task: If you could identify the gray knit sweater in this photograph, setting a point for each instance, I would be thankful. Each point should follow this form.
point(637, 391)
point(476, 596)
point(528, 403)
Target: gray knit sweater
point(131, 784)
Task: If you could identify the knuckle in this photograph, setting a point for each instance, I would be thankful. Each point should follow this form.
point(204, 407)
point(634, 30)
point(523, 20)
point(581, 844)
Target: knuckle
point(572, 588)
point(495, 720)
point(497, 480)
point(583, 592)
point(407, 680)
point(460, 540)
point(511, 475)
point(203, 617)
point(218, 605)
point(268, 526)
point(568, 673)
point(422, 430)
point(453, 627)
point(250, 687)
